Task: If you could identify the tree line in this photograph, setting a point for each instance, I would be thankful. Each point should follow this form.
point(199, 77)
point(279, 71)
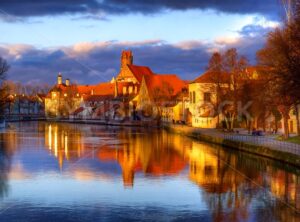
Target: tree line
point(276, 91)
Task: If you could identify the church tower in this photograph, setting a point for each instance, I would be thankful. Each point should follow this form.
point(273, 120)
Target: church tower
point(126, 59)
point(125, 74)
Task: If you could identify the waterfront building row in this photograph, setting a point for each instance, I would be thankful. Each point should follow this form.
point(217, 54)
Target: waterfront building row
point(139, 94)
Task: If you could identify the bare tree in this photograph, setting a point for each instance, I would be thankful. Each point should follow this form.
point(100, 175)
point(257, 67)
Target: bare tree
point(215, 66)
point(235, 66)
point(282, 55)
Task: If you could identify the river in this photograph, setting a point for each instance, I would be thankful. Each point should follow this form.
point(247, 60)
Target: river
point(69, 172)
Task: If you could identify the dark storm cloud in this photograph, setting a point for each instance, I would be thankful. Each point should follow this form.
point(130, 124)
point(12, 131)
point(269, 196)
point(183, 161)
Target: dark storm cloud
point(28, 8)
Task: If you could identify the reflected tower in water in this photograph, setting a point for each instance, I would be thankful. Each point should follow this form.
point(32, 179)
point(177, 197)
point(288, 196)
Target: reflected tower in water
point(64, 141)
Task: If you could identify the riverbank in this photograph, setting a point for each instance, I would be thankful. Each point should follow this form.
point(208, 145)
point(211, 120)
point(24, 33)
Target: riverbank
point(295, 139)
point(259, 145)
point(108, 123)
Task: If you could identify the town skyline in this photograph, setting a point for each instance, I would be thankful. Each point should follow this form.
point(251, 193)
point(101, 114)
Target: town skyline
point(89, 43)
point(150, 110)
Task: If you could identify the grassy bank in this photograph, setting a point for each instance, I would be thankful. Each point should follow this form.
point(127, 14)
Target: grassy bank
point(294, 139)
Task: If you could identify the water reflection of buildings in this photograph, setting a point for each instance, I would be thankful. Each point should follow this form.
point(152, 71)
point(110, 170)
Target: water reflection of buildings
point(144, 153)
point(224, 186)
point(286, 187)
point(64, 142)
point(228, 181)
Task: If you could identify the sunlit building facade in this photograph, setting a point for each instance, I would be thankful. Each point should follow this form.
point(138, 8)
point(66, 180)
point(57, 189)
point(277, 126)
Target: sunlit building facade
point(132, 88)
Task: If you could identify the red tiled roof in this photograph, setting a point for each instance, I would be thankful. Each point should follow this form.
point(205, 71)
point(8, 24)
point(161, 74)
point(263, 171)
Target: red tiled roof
point(213, 77)
point(104, 89)
point(81, 89)
point(108, 89)
point(97, 98)
point(85, 89)
point(140, 71)
point(158, 81)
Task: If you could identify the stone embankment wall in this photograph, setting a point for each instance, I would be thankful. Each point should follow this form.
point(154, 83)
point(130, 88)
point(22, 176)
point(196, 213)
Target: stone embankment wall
point(283, 151)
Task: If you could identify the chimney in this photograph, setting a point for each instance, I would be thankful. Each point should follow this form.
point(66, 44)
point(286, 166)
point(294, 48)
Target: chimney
point(59, 79)
point(67, 82)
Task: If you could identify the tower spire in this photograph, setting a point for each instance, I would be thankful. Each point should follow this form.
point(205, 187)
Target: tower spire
point(59, 79)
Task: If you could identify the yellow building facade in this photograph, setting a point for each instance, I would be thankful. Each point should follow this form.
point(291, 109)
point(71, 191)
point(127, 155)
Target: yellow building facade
point(62, 99)
point(202, 104)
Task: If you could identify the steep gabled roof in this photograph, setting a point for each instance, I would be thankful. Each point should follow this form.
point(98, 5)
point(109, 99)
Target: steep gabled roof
point(213, 77)
point(163, 80)
point(140, 71)
point(104, 89)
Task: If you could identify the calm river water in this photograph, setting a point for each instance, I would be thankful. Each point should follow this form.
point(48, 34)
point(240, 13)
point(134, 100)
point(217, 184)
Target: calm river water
point(68, 172)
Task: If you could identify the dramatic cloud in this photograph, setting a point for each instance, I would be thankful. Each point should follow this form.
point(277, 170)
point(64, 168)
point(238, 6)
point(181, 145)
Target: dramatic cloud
point(98, 8)
point(98, 62)
point(93, 62)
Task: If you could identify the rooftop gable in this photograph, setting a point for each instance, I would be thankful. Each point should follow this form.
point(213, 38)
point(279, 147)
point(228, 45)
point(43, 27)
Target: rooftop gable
point(213, 77)
point(162, 81)
point(140, 71)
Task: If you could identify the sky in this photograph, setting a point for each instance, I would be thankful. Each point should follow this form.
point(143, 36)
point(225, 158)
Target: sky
point(83, 39)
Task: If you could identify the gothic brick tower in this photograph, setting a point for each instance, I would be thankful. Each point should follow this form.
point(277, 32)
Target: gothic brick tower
point(126, 59)
point(125, 73)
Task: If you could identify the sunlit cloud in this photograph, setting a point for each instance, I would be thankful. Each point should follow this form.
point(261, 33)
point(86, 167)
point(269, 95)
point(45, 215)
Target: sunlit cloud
point(100, 60)
point(227, 40)
point(192, 44)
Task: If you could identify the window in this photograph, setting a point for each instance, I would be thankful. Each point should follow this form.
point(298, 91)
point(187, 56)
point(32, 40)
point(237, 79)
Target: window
point(207, 97)
point(191, 97)
point(130, 89)
point(194, 97)
point(124, 90)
